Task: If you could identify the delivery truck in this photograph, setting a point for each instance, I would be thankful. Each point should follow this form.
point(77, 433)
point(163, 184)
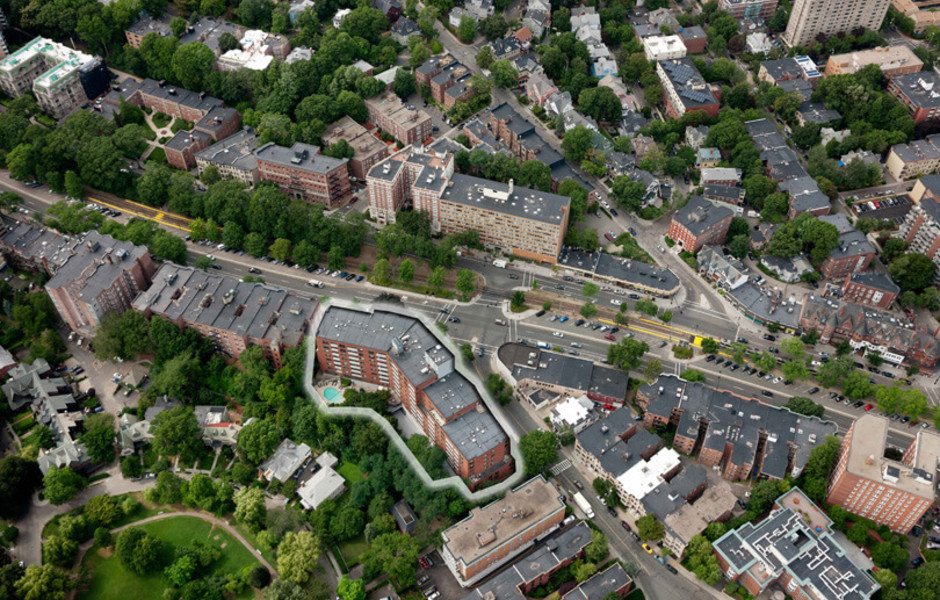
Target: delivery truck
point(582, 503)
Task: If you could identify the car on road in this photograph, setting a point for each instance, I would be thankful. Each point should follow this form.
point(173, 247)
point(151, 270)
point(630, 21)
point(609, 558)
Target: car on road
point(625, 525)
point(632, 231)
point(576, 345)
point(647, 548)
point(614, 212)
point(360, 278)
point(710, 358)
point(860, 404)
point(777, 379)
point(917, 562)
point(742, 340)
point(558, 334)
point(768, 394)
point(579, 323)
point(610, 337)
point(454, 319)
point(610, 236)
point(770, 338)
point(254, 270)
point(540, 313)
point(887, 374)
point(672, 569)
point(513, 276)
point(563, 319)
point(423, 579)
point(813, 390)
point(578, 485)
point(735, 367)
point(612, 512)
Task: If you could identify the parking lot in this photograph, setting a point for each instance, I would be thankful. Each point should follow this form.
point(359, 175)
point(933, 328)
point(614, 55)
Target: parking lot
point(439, 577)
point(99, 375)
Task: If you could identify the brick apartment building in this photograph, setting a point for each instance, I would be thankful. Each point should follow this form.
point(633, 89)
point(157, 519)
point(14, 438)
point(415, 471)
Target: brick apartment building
point(871, 289)
point(700, 223)
point(218, 123)
point(921, 226)
point(685, 88)
point(302, 172)
point(368, 150)
point(867, 328)
point(407, 125)
point(739, 9)
point(520, 221)
point(233, 157)
point(889, 492)
point(161, 97)
point(142, 26)
point(101, 275)
point(232, 313)
point(794, 548)
point(853, 254)
point(740, 436)
point(694, 38)
point(892, 60)
point(61, 79)
point(488, 538)
point(919, 93)
point(398, 352)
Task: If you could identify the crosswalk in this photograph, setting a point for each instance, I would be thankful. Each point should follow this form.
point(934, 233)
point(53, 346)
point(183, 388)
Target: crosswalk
point(560, 467)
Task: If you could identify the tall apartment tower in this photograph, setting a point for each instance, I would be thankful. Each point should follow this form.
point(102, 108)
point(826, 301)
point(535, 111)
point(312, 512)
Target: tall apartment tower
point(809, 18)
point(890, 492)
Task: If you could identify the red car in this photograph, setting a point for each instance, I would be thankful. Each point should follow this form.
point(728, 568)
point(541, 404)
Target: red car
point(609, 336)
point(868, 407)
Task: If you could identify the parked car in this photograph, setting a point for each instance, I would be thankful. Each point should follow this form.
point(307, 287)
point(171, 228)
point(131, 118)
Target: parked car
point(768, 394)
point(610, 337)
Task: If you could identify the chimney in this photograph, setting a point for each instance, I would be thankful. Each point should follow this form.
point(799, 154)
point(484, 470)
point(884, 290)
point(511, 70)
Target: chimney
point(870, 460)
point(510, 186)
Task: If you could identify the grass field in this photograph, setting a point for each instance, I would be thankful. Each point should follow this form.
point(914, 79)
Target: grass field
point(354, 549)
point(350, 472)
point(111, 581)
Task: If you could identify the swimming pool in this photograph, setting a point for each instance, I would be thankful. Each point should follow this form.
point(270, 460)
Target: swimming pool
point(332, 395)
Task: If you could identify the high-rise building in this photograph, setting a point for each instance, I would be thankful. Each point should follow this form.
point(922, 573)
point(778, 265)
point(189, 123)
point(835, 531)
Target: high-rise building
point(810, 18)
point(890, 492)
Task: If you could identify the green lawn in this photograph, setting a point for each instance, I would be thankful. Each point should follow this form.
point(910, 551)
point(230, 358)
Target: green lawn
point(157, 156)
point(353, 549)
point(111, 581)
point(161, 120)
point(350, 472)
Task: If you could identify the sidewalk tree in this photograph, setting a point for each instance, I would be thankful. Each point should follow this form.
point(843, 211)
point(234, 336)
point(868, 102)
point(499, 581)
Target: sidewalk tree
point(693, 375)
point(504, 75)
point(794, 370)
point(709, 345)
point(874, 358)
point(765, 360)
point(382, 271)
point(203, 262)
point(666, 317)
point(856, 385)
point(465, 281)
point(805, 406)
point(547, 305)
point(335, 258)
point(539, 451)
point(649, 528)
point(406, 271)
point(280, 249)
point(793, 347)
point(653, 369)
point(576, 143)
point(73, 185)
point(627, 353)
point(467, 30)
point(484, 58)
point(590, 290)
point(738, 352)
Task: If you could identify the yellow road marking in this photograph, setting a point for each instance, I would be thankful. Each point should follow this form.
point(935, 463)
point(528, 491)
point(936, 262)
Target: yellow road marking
point(158, 218)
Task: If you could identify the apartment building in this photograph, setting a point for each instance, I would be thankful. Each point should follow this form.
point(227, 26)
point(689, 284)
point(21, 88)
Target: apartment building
point(809, 18)
point(892, 60)
point(142, 26)
point(741, 437)
point(61, 79)
point(232, 313)
point(796, 549)
point(181, 149)
point(890, 492)
point(400, 353)
point(920, 157)
point(871, 289)
point(853, 255)
point(916, 92)
point(521, 221)
point(649, 478)
point(869, 329)
point(776, 72)
point(33, 247)
point(700, 223)
point(405, 123)
point(492, 535)
point(302, 172)
point(556, 376)
point(739, 9)
point(922, 12)
point(664, 47)
point(694, 38)
point(921, 230)
point(101, 275)
point(685, 88)
point(233, 157)
point(176, 102)
point(368, 150)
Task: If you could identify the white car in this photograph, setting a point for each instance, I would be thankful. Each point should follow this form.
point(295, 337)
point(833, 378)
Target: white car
point(558, 334)
point(777, 380)
point(615, 302)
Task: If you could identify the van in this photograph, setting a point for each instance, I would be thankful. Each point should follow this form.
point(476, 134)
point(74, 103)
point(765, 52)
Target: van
point(500, 322)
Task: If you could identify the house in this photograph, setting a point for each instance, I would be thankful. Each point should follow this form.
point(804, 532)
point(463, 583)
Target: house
point(805, 196)
point(627, 100)
point(853, 254)
point(892, 60)
point(403, 29)
point(787, 269)
point(287, 459)
point(506, 48)
point(685, 88)
point(539, 88)
point(524, 36)
point(664, 47)
point(695, 136)
point(538, 18)
point(707, 158)
point(325, 484)
point(699, 223)
point(723, 193)
point(663, 17)
point(816, 112)
point(642, 144)
point(758, 43)
point(390, 8)
point(573, 414)
point(339, 16)
point(776, 72)
point(7, 362)
point(721, 175)
point(620, 163)
point(716, 264)
point(917, 92)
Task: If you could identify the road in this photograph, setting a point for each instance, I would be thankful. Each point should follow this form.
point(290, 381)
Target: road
point(879, 191)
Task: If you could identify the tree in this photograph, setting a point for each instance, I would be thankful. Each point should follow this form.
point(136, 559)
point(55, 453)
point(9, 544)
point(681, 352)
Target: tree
point(597, 550)
point(394, 553)
point(504, 75)
point(347, 523)
point(436, 278)
point(192, 63)
point(138, 551)
point(297, 556)
point(406, 271)
point(628, 193)
point(649, 528)
point(590, 290)
point(404, 84)
point(702, 559)
point(793, 347)
point(831, 373)
point(59, 551)
point(176, 432)
point(794, 370)
point(653, 369)
point(99, 437)
point(709, 346)
point(46, 582)
point(912, 272)
point(583, 571)
point(103, 510)
point(517, 302)
point(889, 556)
point(354, 589)
point(805, 406)
point(60, 484)
point(588, 310)
point(539, 450)
point(249, 507)
point(466, 280)
point(693, 375)
point(856, 385)
point(576, 143)
point(19, 477)
point(467, 30)
point(627, 353)
point(484, 58)
point(257, 441)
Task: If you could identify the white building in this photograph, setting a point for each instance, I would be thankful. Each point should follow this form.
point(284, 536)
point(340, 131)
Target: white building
point(574, 414)
point(326, 484)
point(664, 47)
point(339, 16)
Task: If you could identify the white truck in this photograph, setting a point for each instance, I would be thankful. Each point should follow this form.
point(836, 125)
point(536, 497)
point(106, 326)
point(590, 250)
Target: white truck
point(582, 503)
point(499, 263)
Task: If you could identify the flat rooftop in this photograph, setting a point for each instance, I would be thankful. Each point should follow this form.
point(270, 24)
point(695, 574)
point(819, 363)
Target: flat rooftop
point(504, 198)
point(487, 528)
point(866, 458)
